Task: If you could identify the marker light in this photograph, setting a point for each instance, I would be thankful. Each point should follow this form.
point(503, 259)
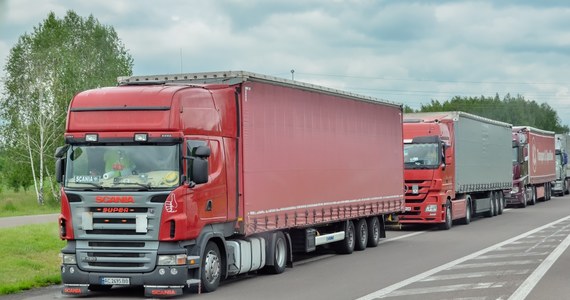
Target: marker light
point(141, 137)
point(92, 137)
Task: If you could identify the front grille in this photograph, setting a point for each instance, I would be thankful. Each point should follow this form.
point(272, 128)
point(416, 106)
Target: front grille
point(423, 189)
point(117, 256)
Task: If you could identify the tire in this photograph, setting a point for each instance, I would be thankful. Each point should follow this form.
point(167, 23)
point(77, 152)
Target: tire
point(496, 199)
point(548, 195)
point(279, 255)
point(525, 199)
point(491, 212)
point(373, 232)
point(467, 219)
point(211, 272)
point(361, 235)
point(346, 246)
point(448, 223)
point(565, 191)
point(533, 196)
point(99, 287)
point(501, 202)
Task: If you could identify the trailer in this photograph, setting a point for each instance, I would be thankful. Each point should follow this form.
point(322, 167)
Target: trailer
point(179, 180)
point(456, 165)
point(534, 168)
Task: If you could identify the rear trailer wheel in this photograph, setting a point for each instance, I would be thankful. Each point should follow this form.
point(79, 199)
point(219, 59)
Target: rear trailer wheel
point(361, 235)
point(279, 255)
point(346, 246)
point(501, 202)
point(496, 198)
point(373, 232)
point(446, 225)
point(211, 268)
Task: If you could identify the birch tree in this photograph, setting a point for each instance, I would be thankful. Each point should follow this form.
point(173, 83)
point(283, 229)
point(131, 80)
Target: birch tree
point(60, 58)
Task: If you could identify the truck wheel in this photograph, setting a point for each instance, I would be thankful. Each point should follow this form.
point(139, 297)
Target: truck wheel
point(496, 199)
point(501, 202)
point(448, 218)
point(361, 235)
point(548, 194)
point(467, 219)
point(279, 255)
point(346, 246)
point(373, 232)
point(533, 196)
point(525, 199)
point(211, 268)
point(491, 211)
point(565, 190)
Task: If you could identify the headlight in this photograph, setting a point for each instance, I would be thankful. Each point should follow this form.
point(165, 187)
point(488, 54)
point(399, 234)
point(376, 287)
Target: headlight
point(431, 208)
point(68, 259)
point(515, 189)
point(171, 260)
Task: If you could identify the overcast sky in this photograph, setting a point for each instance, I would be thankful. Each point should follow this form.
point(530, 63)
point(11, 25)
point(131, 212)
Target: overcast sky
point(403, 51)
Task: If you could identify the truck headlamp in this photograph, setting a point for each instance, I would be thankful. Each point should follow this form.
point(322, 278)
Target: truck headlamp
point(515, 189)
point(68, 259)
point(431, 208)
point(171, 260)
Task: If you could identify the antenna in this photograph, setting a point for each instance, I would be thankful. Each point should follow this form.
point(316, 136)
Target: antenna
point(292, 74)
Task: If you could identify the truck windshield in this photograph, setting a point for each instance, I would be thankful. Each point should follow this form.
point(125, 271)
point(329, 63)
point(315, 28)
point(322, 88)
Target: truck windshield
point(421, 156)
point(515, 155)
point(123, 167)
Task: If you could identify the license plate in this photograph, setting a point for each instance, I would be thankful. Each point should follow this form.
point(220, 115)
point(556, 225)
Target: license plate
point(408, 208)
point(114, 280)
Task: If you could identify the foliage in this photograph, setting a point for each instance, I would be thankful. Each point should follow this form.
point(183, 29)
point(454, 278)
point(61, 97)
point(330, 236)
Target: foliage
point(514, 110)
point(45, 69)
point(29, 256)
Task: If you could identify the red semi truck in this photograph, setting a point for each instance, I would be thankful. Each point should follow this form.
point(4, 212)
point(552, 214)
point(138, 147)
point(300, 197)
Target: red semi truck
point(456, 165)
point(534, 167)
point(177, 180)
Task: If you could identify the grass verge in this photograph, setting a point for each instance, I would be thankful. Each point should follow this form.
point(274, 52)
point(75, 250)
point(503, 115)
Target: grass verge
point(29, 256)
point(24, 203)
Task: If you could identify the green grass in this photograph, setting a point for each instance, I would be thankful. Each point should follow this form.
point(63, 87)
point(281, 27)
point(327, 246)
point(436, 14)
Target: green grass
point(24, 203)
point(29, 256)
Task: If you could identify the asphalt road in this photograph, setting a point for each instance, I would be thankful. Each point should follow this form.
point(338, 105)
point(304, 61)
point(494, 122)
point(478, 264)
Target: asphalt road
point(522, 254)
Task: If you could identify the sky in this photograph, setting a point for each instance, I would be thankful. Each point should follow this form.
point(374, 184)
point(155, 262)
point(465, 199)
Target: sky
point(409, 52)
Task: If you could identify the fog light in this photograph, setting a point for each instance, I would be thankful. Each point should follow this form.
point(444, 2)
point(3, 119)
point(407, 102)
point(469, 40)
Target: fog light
point(71, 270)
point(431, 208)
point(161, 271)
point(173, 271)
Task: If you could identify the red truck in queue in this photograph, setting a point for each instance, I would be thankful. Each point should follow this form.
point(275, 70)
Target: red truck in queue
point(456, 165)
point(534, 166)
point(179, 180)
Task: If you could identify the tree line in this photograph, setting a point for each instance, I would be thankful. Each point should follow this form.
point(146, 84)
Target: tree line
point(513, 110)
point(62, 57)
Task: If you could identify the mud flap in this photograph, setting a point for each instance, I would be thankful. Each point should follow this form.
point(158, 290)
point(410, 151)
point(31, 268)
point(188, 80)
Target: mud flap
point(162, 291)
point(75, 289)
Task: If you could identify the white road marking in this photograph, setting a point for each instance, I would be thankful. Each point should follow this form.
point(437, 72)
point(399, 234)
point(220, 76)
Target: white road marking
point(495, 263)
point(387, 290)
point(476, 275)
point(507, 255)
point(447, 288)
point(402, 237)
point(527, 286)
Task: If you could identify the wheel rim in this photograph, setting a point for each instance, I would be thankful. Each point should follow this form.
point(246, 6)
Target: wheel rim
point(448, 216)
point(212, 267)
point(280, 252)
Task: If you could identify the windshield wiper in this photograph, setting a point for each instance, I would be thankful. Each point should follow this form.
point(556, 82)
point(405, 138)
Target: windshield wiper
point(147, 186)
point(98, 186)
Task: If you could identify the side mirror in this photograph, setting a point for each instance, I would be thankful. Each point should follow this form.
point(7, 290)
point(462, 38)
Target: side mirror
point(197, 165)
point(59, 165)
point(201, 151)
point(60, 151)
